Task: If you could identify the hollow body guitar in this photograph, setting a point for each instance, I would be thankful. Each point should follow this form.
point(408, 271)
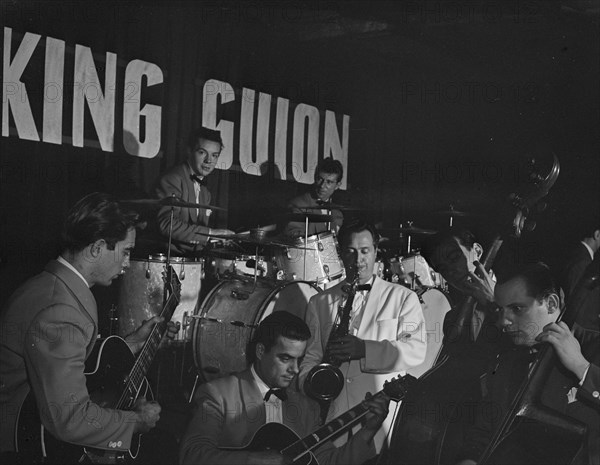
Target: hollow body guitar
point(115, 379)
point(275, 436)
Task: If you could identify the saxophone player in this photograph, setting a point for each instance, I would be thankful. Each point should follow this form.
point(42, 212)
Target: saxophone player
point(386, 332)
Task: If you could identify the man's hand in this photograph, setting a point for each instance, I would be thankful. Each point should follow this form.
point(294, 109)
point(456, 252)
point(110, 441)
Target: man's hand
point(566, 346)
point(268, 457)
point(221, 232)
point(136, 340)
point(378, 410)
point(347, 348)
point(148, 413)
point(482, 289)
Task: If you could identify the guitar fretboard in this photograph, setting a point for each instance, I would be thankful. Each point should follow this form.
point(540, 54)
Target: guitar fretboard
point(144, 360)
point(321, 435)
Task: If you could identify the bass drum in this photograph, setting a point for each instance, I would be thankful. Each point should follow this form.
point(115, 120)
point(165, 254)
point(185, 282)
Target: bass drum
point(224, 325)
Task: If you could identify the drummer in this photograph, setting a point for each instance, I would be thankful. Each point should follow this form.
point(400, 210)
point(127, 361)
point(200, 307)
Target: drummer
point(328, 179)
point(190, 229)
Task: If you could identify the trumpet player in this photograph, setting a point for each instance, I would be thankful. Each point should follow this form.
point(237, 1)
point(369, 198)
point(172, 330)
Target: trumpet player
point(386, 332)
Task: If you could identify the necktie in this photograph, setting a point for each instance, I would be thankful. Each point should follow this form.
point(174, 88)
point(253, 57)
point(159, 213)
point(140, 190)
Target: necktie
point(198, 179)
point(281, 393)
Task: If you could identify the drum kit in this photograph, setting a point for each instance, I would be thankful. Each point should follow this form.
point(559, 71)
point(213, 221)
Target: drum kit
point(242, 278)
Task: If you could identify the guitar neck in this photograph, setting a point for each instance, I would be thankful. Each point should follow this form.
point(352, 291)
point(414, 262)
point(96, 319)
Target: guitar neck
point(146, 356)
point(315, 439)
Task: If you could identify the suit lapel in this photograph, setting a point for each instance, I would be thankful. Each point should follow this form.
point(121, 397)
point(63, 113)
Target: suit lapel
point(371, 306)
point(190, 195)
point(252, 402)
point(80, 292)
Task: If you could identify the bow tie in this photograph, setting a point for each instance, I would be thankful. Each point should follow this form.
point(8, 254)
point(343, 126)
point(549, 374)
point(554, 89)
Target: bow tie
point(198, 179)
point(281, 393)
point(322, 202)
point(363, 287)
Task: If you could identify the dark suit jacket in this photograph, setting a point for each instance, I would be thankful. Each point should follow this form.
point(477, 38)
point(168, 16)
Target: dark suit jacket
point(499, 387)
point(228, 411)
point(589, 315)
point(296, 229)
point(186, 221)
point(49, 328)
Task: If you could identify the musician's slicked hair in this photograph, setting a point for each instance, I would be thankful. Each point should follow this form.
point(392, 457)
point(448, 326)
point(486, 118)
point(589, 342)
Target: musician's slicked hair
point(204, 133)
point(331, 166)
point(96, 216)
point(432, 246)
point(279, 323)
point(357, 226)
point(537, 278)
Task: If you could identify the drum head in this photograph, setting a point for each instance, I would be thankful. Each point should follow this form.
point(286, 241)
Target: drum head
point(224, 325)
point(435, 304)
point(141, 291)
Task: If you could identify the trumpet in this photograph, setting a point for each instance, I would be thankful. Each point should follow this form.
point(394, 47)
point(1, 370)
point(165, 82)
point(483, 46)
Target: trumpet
point(325, 381)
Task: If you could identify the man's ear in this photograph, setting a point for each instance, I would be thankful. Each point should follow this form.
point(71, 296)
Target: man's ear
point(260, 350)
point(553, 303)
point(96, 248)
point(478, 250)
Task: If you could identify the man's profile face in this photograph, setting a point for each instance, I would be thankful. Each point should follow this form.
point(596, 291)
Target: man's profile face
point(278, 366)
point(522, 317)
point(326, 184)
point(203, 157)
point(359, 250)
point(110, 264)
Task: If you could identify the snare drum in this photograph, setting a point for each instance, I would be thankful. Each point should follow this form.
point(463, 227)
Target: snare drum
point(435, 304)
point(223, 263)
point(317, 261)
point(142, 287)
point(224, 324)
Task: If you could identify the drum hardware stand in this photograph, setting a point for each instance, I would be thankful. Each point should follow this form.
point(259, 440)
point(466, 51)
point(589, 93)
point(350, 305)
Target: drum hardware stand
point(113, 320)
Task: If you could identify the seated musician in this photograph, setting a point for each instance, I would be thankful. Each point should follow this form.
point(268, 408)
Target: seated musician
point(328, 179)
point(188, 182)
point(230, 410)
point(387, 328)
point(529, 305)
point(455, 255)
point(49, 327)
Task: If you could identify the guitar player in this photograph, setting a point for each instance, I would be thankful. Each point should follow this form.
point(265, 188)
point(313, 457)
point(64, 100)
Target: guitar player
point(48, 329)
point(230, 410)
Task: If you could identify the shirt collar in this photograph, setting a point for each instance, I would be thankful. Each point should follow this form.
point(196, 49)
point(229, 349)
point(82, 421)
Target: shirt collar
point(60, 259)
point(262, 387)
point(589, 249)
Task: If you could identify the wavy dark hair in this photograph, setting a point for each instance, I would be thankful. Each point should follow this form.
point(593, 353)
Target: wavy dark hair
point(96, 216)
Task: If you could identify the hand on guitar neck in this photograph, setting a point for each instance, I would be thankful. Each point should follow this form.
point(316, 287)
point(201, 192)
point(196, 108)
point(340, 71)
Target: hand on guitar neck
point(136, 340)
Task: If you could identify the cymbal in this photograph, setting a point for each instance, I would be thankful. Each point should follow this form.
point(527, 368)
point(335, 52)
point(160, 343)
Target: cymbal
point(412, 230)
point(312, 217)
point(331, 206)
point(172, 201)
point(249, 238)
point(452, 212)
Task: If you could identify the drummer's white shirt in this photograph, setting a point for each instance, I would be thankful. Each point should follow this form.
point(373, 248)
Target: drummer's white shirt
point(273, 407)
point(60, 259)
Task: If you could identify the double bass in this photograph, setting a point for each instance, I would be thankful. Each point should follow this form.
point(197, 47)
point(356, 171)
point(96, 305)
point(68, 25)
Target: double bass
point(433, 417)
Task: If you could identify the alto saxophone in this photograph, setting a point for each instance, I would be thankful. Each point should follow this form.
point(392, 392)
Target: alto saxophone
point(325, 381)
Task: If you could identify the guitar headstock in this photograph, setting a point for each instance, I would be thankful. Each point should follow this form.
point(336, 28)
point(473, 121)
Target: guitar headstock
point(397, 387)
